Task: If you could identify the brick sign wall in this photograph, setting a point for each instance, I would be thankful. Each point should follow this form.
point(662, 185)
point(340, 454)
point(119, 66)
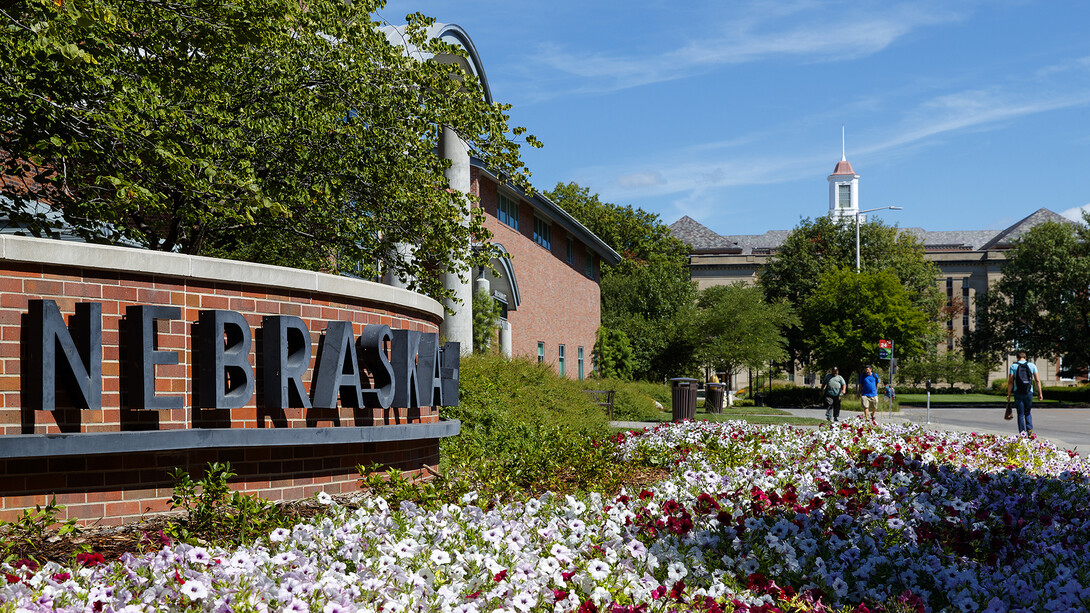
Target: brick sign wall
point(110, 464)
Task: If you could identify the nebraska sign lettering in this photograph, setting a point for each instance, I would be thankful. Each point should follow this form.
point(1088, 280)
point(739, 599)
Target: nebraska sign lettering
point(381, 368)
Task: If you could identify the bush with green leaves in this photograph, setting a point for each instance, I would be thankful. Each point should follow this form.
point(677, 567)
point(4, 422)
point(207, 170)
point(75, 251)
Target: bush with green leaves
point(25, 535)
point(524, 429)
point(215, 514)
point(633, 400)
point(792, 396)
point(613, 355)
point(486, 317)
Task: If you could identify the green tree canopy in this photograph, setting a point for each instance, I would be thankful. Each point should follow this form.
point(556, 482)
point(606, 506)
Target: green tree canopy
point(951, 367)
point(738, 328)
point(632, 232)
point(848, 312)
point(823, 245)
point(645, 296)
point(282, 132)
point(1042, 302)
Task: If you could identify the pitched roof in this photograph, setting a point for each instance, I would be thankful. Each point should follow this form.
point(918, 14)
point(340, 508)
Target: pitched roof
point(843, 167)
point(550, 210)
point(952, 240)
point(696, 235)
point(700, 238)
point(1003, 239)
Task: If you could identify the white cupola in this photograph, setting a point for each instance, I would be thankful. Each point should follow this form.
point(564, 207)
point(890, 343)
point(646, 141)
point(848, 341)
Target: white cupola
point(843, 188)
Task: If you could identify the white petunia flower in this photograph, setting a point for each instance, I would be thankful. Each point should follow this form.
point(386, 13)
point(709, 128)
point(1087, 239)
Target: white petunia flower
point(598, 569)
point(194, 590)
point(524, 601)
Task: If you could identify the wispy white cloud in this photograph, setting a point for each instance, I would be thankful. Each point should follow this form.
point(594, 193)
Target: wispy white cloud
point(703, 167)
point(1075, 214)
point(638, 180)
point(974, 109)
point(807, 31)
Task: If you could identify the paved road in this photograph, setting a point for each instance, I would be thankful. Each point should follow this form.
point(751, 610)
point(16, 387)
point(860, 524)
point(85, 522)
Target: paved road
point(1067, 428)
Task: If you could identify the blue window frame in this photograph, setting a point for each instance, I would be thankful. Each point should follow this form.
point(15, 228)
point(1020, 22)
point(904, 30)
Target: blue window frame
point(507, 211)
point(543, 232)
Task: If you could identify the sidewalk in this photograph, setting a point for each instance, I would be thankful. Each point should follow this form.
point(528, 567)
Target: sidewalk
point(1067, 428)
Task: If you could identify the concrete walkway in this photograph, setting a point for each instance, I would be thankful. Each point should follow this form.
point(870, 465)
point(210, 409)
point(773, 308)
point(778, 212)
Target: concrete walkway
point(1067, 428)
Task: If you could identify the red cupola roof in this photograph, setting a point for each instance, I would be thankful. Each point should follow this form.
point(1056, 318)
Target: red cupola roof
point(843, 167)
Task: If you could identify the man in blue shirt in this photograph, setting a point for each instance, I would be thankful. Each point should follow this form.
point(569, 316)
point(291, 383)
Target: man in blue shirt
point(1023, 376)
point(868, 392)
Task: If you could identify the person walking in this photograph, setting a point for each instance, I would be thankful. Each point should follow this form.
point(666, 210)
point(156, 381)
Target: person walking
point(832, 388)
point(1021, 380)
point(868, 393)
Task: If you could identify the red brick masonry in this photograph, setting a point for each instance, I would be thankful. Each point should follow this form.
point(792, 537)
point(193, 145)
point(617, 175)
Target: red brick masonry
point(108, 487)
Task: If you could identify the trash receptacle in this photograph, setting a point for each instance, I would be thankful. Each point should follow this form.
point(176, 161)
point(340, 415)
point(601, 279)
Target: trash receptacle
point(683, 398)
point(759, 399)
point(713, 398)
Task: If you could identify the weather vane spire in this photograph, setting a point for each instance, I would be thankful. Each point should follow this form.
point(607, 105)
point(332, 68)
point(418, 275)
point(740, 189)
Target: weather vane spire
point(843, 151)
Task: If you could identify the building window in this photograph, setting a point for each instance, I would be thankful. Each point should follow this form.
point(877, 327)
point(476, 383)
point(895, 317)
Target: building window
point(540, 352)
point(580, 356)
point(589, 263)
point(965, 305)
point(844, 196)
point(571, 251)
point(560, 360)
point(507, 211)
point(543, 232)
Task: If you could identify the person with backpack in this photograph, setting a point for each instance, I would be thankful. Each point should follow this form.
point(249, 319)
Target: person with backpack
point(1023, 376)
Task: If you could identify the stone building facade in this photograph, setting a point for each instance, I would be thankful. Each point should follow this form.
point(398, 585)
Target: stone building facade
point(969, 261)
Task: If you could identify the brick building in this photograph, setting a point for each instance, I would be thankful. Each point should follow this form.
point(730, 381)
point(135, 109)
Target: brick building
point(548, 286)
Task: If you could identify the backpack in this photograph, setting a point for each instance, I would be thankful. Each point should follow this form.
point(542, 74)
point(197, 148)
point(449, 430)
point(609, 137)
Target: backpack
point(1022, 378)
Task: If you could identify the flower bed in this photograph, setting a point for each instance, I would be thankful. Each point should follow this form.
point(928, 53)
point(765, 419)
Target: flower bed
point(752, 518)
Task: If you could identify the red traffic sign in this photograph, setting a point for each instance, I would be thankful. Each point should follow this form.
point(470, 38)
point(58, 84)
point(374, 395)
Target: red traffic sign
point(885, 344)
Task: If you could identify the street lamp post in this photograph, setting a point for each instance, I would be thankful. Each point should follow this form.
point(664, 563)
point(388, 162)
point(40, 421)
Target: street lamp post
point(857, 214)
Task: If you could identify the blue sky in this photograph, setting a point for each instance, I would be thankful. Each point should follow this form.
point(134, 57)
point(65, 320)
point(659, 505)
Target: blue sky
point(970, 115)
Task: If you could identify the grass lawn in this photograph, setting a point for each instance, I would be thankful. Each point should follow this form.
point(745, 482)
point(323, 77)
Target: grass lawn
point(753, 415)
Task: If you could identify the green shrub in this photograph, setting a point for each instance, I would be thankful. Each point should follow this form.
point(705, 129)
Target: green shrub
point(657, 391)
point(486, 317)
point(1066, 394)
point(524, 429)
point(25, 535)
point(791, 396)
point(633, 400)
point(215, 514)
